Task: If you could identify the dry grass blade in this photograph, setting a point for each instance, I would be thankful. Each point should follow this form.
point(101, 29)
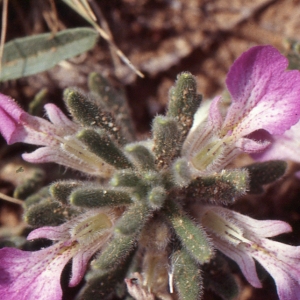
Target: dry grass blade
point(87, 8)
point(82, 7)
point(11, 199)
point(51, 18)
point(3, 30)
point(104, 24)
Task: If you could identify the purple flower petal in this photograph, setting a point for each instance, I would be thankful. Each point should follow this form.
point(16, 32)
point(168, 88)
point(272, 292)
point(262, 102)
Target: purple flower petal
point(285, 146)
point(81, 259)
point(251, 146)
point(59, 119)
point(282, 262)
point(243, 259)
point(10, 114)
point(264, 95)
point(264, 98)
point(243, 239)
point(79, 264)
point(37, 131)
point(8, 105)
point(62, 146)
point(53, 233)
point(65, 158)
point(47, 154)
point(262, 228)
point(32, 275)
point(215, 120)
point(18, 126)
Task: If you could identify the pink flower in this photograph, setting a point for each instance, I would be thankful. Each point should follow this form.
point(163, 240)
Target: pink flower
point(33, 275)
point(58, 138)
point(244, 239)
point(263, 97)
point(26, 275)
point(286, 146)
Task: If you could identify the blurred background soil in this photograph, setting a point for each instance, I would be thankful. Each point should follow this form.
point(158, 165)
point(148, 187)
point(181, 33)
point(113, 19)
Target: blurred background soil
point(161, 38)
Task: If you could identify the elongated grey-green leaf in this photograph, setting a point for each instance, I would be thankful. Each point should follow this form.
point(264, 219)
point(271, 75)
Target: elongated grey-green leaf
point(33, 54)
point(192, 236)
point(187, 277)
